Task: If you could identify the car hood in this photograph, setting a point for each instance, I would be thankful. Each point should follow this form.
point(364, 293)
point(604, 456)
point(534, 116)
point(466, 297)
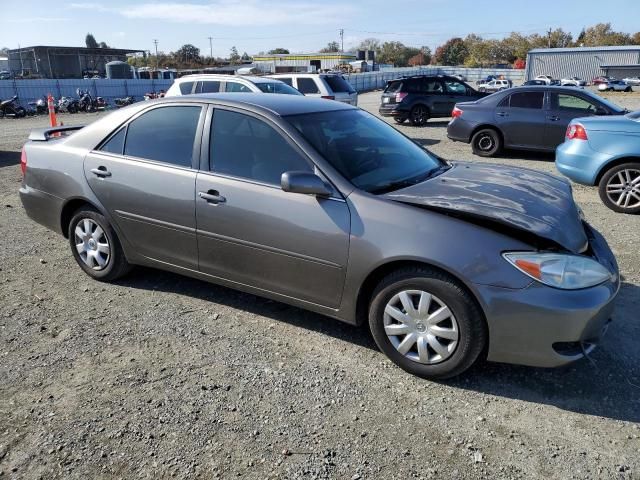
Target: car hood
point(613, 123)
point(534, 203)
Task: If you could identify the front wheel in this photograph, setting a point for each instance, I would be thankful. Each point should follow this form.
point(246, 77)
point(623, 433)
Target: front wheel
point(619, 188)
point(400, 119)
point(426, 323)
point(486, 143)
point(628, 89)
point(95, 246)
point(419, 115)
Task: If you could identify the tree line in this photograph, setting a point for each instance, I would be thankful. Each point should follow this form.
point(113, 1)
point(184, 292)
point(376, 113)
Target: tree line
point(475, 51)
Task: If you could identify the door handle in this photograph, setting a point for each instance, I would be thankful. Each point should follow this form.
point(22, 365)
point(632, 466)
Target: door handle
point(101, 172)
point(212, 196)
point(554, 118)
point(502, 114)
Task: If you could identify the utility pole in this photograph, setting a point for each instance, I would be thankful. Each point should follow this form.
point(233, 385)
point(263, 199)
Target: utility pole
point(211, 47)
point(549, 38)
point(155, 42)
point(342, 40)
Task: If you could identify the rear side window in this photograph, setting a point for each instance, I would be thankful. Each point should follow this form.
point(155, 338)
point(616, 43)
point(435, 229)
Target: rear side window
point(243, 146)
point(186, 87)
point(164, 134)
point(432, 86)
point(208, 86)
point(307, 85)
point(277, 87)
point(338, 84)
point(533, 100)
point(116, 143)
point(286, 80)
point(236, 87)
point(393, 86)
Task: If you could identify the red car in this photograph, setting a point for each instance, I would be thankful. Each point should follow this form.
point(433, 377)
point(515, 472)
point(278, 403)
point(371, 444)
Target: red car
point(600, 79)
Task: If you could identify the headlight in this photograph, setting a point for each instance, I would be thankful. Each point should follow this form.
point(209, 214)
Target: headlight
point(565, 271)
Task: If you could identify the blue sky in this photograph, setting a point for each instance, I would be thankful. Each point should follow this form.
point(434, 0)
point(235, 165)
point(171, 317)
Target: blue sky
point(304, 25)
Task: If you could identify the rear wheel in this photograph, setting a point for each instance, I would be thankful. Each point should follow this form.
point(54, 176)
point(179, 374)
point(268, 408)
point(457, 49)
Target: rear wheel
point(95, 246)
point(628, 89)
point(486, 143)
point(426, 323)
point(419, 115)
point(619, 188)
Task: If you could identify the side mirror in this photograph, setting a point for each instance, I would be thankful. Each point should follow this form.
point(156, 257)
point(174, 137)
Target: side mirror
point(601, 111)
point(304, 182)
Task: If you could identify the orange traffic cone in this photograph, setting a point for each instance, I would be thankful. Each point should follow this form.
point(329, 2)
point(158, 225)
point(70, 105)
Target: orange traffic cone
point(52, 111)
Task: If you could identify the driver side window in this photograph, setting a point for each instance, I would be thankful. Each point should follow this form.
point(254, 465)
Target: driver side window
point(244, 146)
point(572, 103)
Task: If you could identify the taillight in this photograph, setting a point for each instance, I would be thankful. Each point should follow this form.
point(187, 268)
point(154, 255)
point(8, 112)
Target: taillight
point(575, 131)
point(456, 112)
point(329, 97)
point(23, 162)
point(400, 96)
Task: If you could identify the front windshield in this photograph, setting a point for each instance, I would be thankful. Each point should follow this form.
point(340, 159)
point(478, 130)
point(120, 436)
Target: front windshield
point(277, 87)
point(368, 152)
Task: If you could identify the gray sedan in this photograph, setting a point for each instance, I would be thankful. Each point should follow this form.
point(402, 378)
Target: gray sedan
point(321, 205)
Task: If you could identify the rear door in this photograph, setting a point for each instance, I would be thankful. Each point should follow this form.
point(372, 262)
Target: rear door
point(564, 107)
point(236, 87)
point(208, 86)
point(144, 175)
point(308, 86)
point(252, 232)
point(522, 118)
point(436, 97)
point(455, 92)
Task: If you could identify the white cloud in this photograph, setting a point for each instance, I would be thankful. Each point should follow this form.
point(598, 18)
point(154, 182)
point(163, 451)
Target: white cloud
point(230, 12)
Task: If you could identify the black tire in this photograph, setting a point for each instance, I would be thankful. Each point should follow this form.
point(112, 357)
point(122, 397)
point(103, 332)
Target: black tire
point(486, 142)
point(419, 115)
point(628, 89)
point(116, 264)
point(472, 336)
point(612, 177)
point(400, 120)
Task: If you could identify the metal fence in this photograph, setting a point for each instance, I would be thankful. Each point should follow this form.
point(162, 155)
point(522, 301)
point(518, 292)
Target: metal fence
point(30, 90)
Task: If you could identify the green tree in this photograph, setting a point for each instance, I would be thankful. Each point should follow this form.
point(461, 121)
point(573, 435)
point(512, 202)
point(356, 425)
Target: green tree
point(453, 52)
point(90, 41)
point(187, 54)
point(278, 51)
point(103, 45)
point(234, 57)
point(245, 57)
point(331, 47)
point(369, 44)
point(603, 35)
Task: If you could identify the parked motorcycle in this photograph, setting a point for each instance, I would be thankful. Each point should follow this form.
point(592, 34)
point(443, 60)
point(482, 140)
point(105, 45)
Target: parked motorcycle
point(86, 103)
point(124, 101)
point(154, 95)
point(11, 108)
point(40, 106)
point(68, 104)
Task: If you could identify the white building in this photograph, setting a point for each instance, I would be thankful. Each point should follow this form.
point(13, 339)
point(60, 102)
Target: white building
point(302, 62)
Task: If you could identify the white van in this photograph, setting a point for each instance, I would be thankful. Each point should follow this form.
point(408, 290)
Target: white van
point(325, 85)
point(214, 83)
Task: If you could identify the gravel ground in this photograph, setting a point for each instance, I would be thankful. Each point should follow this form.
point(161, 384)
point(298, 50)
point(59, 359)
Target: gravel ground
point(162, 376)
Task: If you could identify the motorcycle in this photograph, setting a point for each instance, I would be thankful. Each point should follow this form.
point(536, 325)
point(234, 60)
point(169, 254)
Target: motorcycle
point(123, 102)
point(154, 95)
point(40, 106)
point(86, 103)
point(68, 104)
point(11, 108)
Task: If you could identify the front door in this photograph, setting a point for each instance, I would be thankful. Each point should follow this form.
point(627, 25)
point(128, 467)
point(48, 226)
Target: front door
point(522, 118)
point(455, 92)
point(564, 108)
point(144, 176)
point(252, 232)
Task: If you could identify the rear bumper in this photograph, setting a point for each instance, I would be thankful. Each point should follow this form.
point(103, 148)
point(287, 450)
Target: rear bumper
point(546, 327)
point(459, 130)
point(393, 110)
point(576, 160)
point(42, 207)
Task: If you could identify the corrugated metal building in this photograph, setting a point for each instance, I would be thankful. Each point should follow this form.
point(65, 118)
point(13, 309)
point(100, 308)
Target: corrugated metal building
point(583, 62)
point(301, 62)
point(64, 62)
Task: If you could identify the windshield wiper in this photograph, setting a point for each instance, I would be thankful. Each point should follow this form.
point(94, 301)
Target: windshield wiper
point(391, 186)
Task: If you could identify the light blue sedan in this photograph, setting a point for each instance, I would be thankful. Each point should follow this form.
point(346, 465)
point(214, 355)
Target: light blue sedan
point(605, 151)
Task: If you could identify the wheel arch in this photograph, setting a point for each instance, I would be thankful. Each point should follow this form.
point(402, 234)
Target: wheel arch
point(70, 207)
point(375, 276)
point(614, 163)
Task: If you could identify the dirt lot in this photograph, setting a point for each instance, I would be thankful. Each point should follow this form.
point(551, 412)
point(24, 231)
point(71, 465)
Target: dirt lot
point(163, 376)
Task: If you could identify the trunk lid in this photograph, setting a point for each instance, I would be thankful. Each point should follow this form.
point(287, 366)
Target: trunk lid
point(535, 203)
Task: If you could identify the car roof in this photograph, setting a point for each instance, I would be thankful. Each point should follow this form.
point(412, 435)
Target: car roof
point(278, 104)
point(223, 77)
point(299, 74)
